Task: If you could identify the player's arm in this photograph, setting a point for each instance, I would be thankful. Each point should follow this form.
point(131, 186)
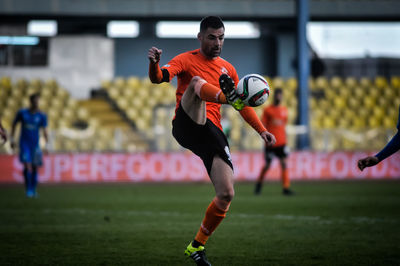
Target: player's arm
point(250, 116)
point(3, 133)
point(156, 74)
point(46, 138)
point(13, 127)
point(390, 148)
point(43, 126)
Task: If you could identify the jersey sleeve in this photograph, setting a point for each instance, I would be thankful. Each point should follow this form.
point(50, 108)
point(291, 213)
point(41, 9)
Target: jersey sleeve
point(234, 76)
point(392, 147)
point(175, 66)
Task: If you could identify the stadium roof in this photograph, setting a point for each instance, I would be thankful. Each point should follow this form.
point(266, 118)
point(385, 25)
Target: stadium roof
point(233, 9)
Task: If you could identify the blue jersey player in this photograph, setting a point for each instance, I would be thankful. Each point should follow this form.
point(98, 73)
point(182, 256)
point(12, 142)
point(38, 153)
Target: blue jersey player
point(389, 149)
point(32, 120)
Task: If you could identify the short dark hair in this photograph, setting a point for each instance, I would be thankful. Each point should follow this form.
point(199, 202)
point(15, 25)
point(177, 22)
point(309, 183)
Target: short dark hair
point(34, 96)
point(278, 90)
point(211, 22)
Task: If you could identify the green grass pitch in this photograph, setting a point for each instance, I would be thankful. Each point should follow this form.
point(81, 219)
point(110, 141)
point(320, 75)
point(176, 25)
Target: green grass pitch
point(325, 223)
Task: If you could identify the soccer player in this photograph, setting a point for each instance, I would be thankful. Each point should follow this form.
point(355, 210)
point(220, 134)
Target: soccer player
point(389, 149)
point(275, 119)
point(3, 133)
point(202, 76)
point(30, 155)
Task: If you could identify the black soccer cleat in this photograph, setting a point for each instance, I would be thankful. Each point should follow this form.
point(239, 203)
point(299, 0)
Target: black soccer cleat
point(287, 192)
point(228, 88)
point(197, 254)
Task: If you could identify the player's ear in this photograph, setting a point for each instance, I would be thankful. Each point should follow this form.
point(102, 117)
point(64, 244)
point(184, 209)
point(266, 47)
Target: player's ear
point(199, 36)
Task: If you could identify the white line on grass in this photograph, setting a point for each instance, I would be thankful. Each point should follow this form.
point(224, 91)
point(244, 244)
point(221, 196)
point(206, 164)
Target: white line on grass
point(281, 217)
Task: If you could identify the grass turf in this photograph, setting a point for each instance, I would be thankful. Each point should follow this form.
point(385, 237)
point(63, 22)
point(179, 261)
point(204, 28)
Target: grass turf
point(335, 223)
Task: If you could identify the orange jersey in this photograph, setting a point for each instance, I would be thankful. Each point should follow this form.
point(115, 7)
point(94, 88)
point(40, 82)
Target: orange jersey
point(193, 63)
point(274, 119)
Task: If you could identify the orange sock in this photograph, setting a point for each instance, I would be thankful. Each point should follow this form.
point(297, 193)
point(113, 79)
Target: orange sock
point(209, 93)
point(215, 213)
point(285, 178)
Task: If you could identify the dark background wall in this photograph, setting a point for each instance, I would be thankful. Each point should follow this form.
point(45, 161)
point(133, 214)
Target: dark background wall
point(248, 56)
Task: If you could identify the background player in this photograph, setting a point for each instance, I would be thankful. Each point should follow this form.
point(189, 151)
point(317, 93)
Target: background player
point(196, 125)
point(275, 118)
point(3, 133)
point(389, 149)
point(30, 155)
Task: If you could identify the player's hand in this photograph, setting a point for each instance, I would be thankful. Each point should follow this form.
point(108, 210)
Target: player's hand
point(367, 162)
point(13, 144)
point(154, 54)
point(268, 138)
point(45, 149)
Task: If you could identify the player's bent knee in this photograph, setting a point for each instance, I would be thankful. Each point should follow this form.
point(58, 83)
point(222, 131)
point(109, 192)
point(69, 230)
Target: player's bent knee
point(196, 83)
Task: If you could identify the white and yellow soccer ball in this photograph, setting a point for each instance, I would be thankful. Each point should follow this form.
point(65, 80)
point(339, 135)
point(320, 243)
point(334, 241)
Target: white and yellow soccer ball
point(253, 90)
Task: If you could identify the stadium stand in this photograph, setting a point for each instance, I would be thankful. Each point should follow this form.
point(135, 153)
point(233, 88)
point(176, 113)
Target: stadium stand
point(345, 114)
point(74, 126)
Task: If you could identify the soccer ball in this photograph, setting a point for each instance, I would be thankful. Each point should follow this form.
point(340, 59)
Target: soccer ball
point(253, 90)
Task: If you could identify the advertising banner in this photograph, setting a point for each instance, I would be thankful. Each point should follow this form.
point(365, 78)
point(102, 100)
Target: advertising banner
point(184, 167)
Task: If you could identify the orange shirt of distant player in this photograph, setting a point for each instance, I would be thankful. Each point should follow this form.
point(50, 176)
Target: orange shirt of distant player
point(275, 118)
point(193, 63)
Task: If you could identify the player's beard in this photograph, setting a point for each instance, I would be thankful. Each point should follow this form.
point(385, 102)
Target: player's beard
point(214, 52)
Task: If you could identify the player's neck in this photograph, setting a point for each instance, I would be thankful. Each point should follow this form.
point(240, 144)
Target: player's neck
point(207, 57)
point(33, 109)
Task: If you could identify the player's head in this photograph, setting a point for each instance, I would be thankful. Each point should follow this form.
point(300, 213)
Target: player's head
point(34, 100)
point(278, 93)
point(211, 36)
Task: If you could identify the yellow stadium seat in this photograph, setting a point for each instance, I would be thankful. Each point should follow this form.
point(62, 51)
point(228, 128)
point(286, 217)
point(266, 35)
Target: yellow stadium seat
point(381, 82)
point(132, 113)
point(321, 83)
point(365, 82)
point(388, 122)
point(359, 92)
point(133, 82)
point(82, 113)
point(328, 123)
point(21, 84)
point(291, 84)
point(389, 93)
point(336, 82)
point(373, 122)
point(358, 123)
point(51, 83)
point(395, 82)
point(350, 82)
point(369, 102)
point(5, 83)
point(119, 82)
point(123, 103)
point(343, 123)
point(278, 82)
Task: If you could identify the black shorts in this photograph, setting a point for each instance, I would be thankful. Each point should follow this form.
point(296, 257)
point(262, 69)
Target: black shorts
point(281, 152)
point(205, 141)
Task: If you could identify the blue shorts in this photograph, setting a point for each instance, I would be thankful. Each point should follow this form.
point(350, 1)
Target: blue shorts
point(30, 154)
